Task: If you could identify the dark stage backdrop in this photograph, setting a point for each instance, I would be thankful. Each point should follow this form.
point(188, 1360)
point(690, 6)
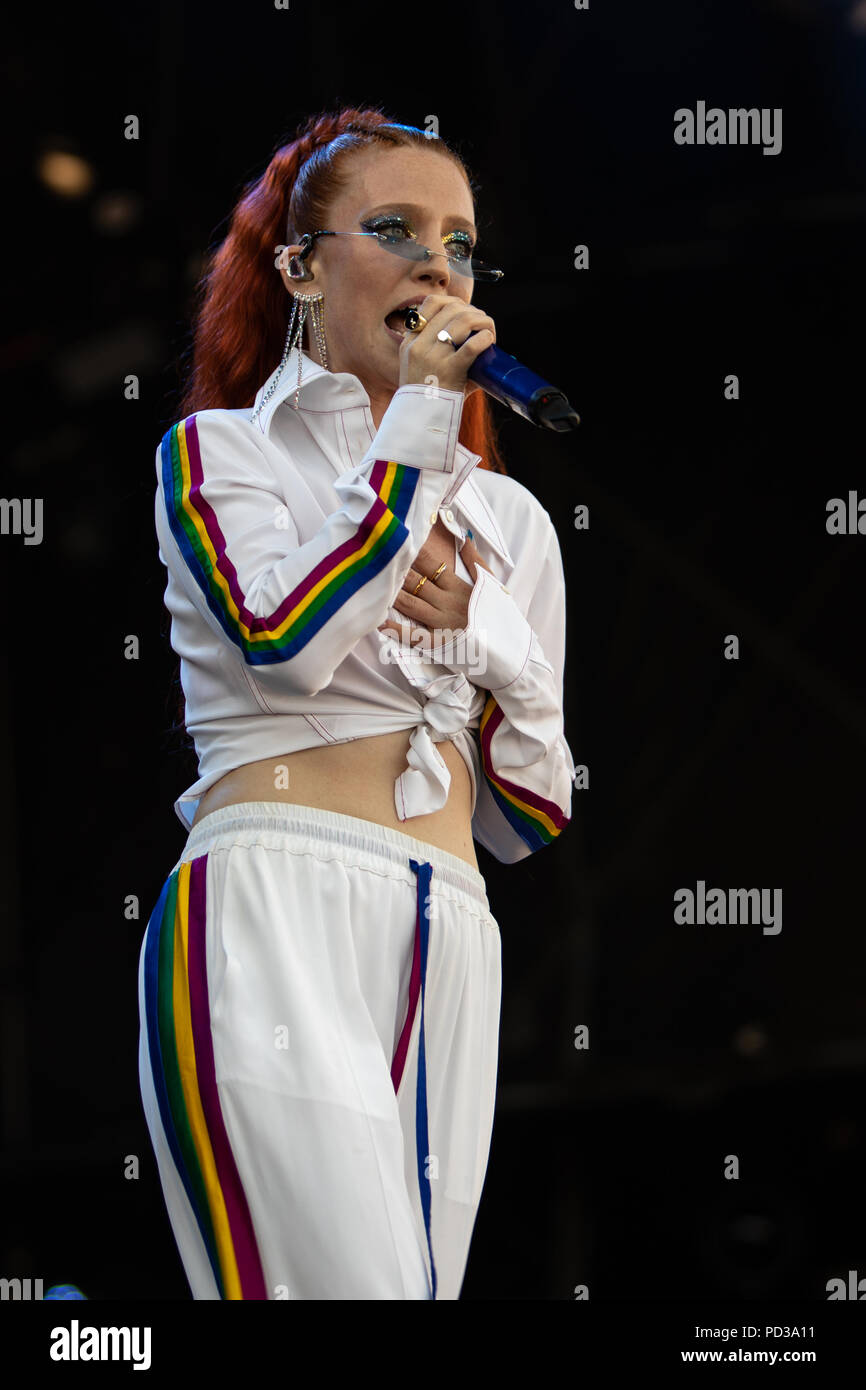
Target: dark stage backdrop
point(680, 1104)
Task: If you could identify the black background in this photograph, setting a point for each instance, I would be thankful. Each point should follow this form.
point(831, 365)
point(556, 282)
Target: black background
point(707, 518)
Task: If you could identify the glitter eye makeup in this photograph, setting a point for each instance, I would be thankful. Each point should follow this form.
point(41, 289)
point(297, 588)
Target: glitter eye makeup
point(384, 224)
point(390, 220)
point(394, 233)
point(459, 239)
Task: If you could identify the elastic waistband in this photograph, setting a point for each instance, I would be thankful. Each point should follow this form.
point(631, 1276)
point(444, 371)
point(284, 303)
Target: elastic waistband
point(332, 828)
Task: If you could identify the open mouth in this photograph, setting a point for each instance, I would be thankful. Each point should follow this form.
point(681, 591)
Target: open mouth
point(396, 322)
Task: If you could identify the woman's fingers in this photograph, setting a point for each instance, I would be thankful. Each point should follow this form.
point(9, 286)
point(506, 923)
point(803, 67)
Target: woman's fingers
point(469, 555)
point(437, 603)
point(436, 591)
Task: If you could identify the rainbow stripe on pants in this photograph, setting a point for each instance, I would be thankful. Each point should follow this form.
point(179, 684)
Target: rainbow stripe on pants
point(182, 1065)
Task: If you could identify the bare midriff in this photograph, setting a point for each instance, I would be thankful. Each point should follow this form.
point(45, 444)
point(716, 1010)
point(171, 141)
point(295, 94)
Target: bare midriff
point(355, 778)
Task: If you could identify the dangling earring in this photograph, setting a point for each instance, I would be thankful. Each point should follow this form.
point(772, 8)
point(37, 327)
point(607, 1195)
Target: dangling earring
point(315, 305)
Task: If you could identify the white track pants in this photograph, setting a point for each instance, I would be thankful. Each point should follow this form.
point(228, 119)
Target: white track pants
point(319, 1002)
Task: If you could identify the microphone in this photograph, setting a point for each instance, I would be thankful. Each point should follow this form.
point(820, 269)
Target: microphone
point(508, 381)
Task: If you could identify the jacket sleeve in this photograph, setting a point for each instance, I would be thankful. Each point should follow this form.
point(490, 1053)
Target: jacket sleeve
point(222, 514)
point(523, 800)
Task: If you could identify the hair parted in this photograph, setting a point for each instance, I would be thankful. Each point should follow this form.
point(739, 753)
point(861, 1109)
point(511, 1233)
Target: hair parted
point(242, 308)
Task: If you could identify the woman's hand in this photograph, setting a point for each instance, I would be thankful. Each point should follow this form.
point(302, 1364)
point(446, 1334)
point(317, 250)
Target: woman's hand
point(446, 605)
point(422, 355)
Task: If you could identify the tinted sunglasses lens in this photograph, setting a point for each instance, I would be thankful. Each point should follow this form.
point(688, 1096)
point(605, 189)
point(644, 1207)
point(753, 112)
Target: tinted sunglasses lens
point(413, 251)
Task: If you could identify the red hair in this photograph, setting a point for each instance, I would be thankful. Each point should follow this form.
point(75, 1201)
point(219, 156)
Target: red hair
point(242, 309)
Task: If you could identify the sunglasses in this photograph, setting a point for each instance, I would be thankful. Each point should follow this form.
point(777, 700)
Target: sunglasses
point(459, 253)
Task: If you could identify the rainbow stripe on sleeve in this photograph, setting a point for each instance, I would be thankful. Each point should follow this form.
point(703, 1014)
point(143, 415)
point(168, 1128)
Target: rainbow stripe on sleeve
point(536, 820)
point(320, 594)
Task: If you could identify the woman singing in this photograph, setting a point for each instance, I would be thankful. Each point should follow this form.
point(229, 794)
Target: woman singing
point(370, 625)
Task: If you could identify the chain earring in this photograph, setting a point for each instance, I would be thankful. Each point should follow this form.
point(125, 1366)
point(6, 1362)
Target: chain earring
point(314, 305)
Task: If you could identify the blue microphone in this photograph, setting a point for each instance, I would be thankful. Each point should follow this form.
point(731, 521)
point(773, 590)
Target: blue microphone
point(508, 381)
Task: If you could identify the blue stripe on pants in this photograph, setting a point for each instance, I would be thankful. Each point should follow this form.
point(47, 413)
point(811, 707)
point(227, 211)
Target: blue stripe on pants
point(423, 873)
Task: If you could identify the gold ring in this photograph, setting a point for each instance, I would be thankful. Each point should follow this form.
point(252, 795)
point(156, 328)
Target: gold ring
point(434, 577)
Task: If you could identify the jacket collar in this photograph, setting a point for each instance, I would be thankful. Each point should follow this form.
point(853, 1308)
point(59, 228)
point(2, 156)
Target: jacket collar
point(330, 393)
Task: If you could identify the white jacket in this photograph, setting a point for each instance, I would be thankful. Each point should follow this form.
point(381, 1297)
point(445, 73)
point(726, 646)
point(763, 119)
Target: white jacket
point(286, 538)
